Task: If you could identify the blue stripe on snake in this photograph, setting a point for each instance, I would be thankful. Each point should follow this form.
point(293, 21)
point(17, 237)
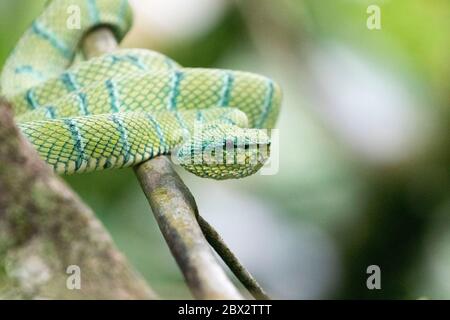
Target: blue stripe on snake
point(199, 116)
point(130, 58)
point(50, 112)
point(159, 132)
point(267, 102)
point(137, 62)
point(123, 136)
point(83, 104)
point(49, 36)
point(175, 89)
point(29, 70)
point(93, 11)
point(227, 85)
point(76, 137)
point(68, 79)
point(32, 103)
point(113, 95)
point(123, 9)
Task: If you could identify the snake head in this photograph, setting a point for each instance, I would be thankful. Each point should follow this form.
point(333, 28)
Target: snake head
point(222, 152)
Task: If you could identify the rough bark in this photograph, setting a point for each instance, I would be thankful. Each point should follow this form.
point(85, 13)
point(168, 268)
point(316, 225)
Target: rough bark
point(45, 227)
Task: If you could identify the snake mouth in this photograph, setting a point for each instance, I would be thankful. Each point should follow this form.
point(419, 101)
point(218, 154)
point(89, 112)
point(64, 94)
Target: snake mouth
point(224, 152)
point(223, 171)
point(229, 161)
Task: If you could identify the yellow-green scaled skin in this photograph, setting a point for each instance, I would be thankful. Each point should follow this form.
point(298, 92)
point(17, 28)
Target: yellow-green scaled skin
point(128, 106)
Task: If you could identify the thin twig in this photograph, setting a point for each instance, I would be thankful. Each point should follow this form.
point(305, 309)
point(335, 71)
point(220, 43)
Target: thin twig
point(244, 276)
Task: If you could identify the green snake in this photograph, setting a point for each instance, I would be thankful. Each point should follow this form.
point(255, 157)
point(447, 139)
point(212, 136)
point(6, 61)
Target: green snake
point(131, 105)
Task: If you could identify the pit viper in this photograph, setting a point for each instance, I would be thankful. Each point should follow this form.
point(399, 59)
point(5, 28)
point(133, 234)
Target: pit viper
point(131, 105)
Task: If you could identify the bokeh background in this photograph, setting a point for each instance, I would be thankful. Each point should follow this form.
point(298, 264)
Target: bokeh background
point(364, 144)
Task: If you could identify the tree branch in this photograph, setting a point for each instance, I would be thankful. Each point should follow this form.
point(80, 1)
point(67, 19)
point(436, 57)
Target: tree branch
point(175, 210)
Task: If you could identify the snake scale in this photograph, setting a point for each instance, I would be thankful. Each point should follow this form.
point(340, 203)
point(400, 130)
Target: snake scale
point(125, 107)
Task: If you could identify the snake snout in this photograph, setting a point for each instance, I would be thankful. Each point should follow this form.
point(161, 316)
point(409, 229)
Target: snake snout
point(234, 153)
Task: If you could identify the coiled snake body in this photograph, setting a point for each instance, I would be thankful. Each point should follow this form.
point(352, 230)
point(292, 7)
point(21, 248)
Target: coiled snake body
point(128, 106)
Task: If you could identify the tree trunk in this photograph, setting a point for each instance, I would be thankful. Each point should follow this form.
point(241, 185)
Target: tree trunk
point(45, 228)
